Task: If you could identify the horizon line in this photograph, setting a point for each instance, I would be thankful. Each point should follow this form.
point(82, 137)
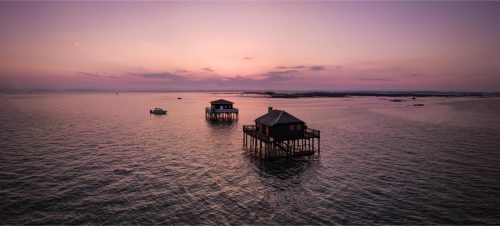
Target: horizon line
point(242, 91)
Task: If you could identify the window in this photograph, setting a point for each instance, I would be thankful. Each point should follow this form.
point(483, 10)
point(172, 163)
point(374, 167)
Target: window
point(292, 127)
point(299, 127)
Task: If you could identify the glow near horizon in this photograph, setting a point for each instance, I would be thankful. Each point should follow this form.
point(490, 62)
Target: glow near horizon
point(250, 45)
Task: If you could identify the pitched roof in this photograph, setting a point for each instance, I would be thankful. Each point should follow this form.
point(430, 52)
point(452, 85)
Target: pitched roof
point(277, 117)
point(221, 101)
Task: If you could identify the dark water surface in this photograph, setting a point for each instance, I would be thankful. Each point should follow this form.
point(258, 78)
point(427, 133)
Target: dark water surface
point(79, 158)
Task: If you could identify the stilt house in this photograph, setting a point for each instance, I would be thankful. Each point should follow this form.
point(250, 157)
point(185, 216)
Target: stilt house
point(280, 134)
point(221, 110)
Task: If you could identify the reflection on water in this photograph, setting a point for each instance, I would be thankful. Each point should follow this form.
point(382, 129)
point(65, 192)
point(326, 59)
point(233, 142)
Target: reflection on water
point(285, 169)
point(101, 158)
point(221, 123)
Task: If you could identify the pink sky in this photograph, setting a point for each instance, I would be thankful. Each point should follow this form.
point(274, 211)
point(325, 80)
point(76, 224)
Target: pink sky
point(442, 46)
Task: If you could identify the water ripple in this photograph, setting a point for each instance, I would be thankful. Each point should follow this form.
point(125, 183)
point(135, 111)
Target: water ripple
point(102, 159)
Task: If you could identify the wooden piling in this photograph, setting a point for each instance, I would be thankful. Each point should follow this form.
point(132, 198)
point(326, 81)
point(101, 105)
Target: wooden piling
point(263, 147)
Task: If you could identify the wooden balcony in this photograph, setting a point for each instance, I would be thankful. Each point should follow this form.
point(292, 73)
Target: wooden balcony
point(312, 133)
point(210, 110)
point(252, 131)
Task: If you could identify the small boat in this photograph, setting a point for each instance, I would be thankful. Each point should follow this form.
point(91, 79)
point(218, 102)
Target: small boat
point(158, 111)
point(178, 98)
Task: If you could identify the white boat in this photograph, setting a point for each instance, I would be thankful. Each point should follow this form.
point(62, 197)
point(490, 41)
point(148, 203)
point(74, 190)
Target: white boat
point(158, 111)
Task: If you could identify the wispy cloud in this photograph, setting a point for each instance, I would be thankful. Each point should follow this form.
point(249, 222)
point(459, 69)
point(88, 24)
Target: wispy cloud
point(247, 58)
point(207, 69)
point(98, 75)
point(291, 67)
point(75, 44)
point(377, 79)
point(263, 80)
point(180, 71)
point(278, 77)
point(275, 76)
point(303, 67)
point(161, 75)
point(282, 72)
point(317, 68)
point(89, 74)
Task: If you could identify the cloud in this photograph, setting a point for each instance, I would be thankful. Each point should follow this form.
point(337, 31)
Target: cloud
point(413, 75)
point(74, 44)
point(273, 76)
point(299, 67)
point(98, 75)
point(207, 69)
point(186, 80)
point(77, 45)
point(317, 68)
point(231, 81)
point(283, 72)
point(366, 62)
point(278, 77)
point(247, 58)
point(89, 74)
point(291, 67)
point(377, 79)
point(161, 75)
point(216, 81)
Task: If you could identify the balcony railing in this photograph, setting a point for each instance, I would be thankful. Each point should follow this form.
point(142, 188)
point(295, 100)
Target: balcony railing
point(250, 130)
point(215, 110)
point(248, 127)
point(312, 132)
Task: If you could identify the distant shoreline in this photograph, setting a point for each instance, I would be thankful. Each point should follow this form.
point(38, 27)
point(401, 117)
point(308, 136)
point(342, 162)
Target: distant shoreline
point(290, 94)
point(368, 94)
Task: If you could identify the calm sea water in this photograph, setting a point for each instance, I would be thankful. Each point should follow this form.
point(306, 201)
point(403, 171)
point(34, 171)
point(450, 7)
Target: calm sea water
point(101, 158)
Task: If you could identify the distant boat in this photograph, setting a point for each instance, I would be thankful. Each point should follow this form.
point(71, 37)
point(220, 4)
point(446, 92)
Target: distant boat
point(179, 98)
point(158, 111)
point(418, 105)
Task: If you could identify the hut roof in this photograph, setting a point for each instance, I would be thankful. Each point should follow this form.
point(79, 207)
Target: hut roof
point(221, 101)
point(274, 117)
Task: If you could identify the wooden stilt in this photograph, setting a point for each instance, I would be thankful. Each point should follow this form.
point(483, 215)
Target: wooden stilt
point(260, 145)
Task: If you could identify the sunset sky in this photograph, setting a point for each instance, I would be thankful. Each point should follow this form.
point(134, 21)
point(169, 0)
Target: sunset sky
point(331, 46)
